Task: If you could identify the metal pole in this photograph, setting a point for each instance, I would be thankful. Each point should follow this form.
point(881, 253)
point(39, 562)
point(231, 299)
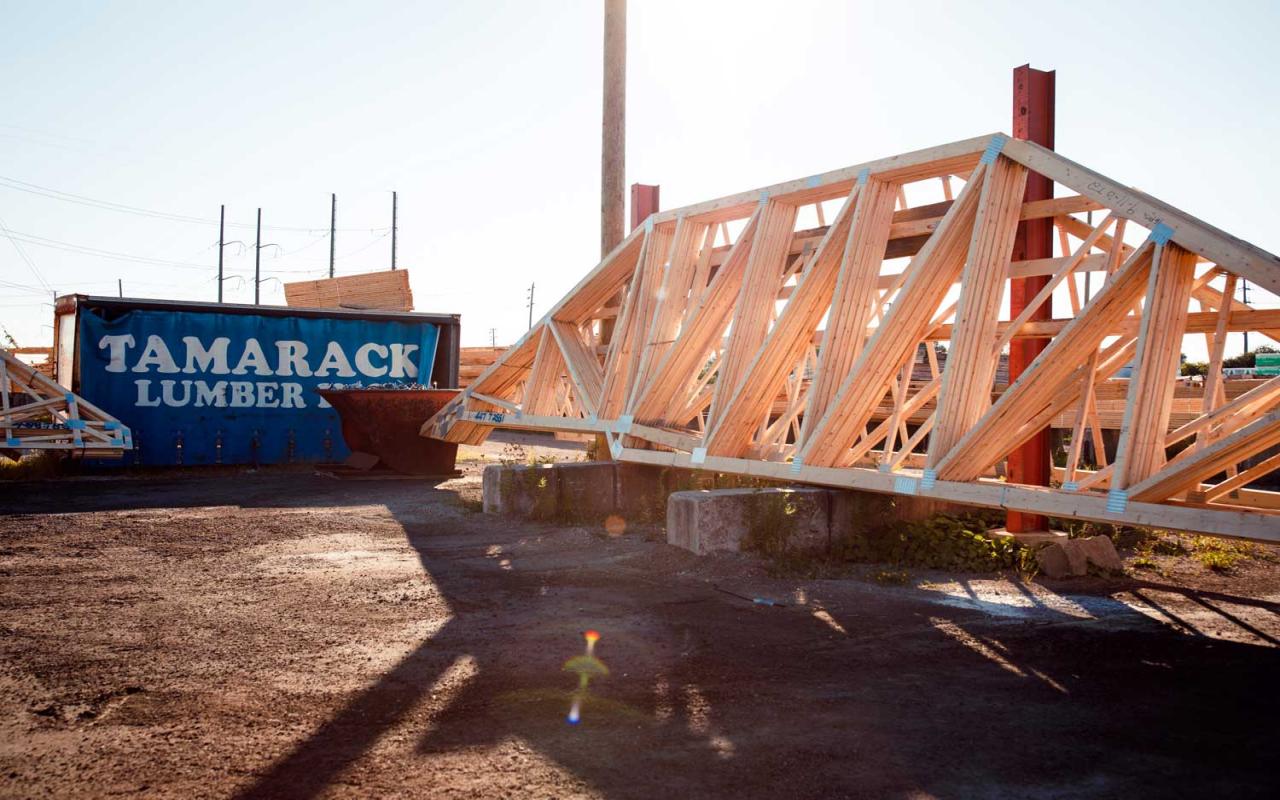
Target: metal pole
point(120, 286)
point(257, 260)
point(222, 221)
point(613, 144)
point(1033, 120)
point(393, 231)
point(1244, 298)
point(333, 225)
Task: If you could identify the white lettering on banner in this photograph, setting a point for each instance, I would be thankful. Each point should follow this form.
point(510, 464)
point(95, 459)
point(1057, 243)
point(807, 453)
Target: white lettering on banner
point(401, 366)
point(293, 359)
point(394, 360)
point(335, 359)
point(116, 345)
point(365, 365)
point(244, 394)
point(241, 394)
point(156, 354)
point(253, 357)
point(211, 396)
point(212, 360)
point(144, 395)
point(166, 394)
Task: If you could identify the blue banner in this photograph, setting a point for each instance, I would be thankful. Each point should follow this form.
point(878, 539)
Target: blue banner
point(209, 388)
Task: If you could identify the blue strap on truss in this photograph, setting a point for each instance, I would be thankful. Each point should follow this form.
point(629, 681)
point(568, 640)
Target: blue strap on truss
point(12, 441)
point(904, 485)
point(797, 464)
point(70, 397)
point(75, 424)
point(928, 479)
point(1070, 486)
point(698, 456)
point(623, 424)
point(812, 182)
point(111, 425)
point(117, 442)
point(993, 149)
point(648, 224)
point(1117, 501)
point(764, 196)
point(864, 175)
point(1161, 233)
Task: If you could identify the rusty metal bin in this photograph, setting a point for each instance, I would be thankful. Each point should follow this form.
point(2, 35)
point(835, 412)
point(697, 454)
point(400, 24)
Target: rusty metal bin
point(385, 423)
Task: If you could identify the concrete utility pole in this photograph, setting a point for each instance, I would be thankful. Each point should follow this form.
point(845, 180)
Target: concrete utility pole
point(613, 145)
point(393, 231)
point(1033, 102)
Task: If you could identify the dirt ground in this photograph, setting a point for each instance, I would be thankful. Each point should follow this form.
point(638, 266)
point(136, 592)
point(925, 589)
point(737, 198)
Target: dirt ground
point(279, 634)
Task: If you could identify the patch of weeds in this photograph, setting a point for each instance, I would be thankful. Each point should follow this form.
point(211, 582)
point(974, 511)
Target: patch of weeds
point(943, 541)
point(513, 454)
point(1144, 562)
point(44, 464)
point(472, 505)
point(891, 577)
point(771, 525)
point(1221, 555)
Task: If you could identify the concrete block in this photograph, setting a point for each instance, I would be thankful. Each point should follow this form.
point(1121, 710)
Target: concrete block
point(524, 491)
point(586, 491)
point(764, 520)
point(856, 512)
point(640, 491)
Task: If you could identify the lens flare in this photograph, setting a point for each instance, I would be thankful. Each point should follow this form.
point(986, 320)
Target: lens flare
point(587, 666)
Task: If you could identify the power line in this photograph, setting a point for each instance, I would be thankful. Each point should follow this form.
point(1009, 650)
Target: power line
point(25, 257)
point(107, 205)
point(54, 244)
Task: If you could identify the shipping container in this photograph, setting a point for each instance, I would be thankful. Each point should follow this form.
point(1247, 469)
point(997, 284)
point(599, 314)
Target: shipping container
point(223, 383)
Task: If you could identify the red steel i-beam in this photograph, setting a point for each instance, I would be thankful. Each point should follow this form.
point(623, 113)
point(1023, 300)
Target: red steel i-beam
point(1033, 121)
point(644, 201)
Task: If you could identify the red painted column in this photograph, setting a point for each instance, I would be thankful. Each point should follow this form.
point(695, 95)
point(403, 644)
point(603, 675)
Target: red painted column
point(644, 201)
point(1032, 120)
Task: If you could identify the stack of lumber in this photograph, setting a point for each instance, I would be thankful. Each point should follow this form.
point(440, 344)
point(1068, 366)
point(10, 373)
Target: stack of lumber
point(475, 360)
point(384, 291)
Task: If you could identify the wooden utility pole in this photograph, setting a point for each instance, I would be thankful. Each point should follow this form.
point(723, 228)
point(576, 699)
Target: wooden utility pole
point(1033, 102)
point(613, 145)
point(222, 225)
point(333, 227)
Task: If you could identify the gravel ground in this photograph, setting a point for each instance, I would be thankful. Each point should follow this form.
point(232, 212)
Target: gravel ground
point(278, 634)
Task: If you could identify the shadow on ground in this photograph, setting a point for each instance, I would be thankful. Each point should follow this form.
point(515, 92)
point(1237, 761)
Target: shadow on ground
point(881, 694)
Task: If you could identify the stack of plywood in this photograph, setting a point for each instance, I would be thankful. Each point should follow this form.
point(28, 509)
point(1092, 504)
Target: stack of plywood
point(386, 291)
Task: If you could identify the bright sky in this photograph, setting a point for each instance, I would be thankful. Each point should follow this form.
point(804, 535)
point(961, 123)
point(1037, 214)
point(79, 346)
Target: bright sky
point(485, 117)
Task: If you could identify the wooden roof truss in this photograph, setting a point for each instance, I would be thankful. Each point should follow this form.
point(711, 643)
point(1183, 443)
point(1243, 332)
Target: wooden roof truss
point(49, 417)
point(750, 342)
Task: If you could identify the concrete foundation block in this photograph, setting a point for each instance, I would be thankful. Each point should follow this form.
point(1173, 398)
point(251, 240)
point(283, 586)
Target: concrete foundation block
point(586, 491)
point(640, 491)
point(766, 520)
point(856, 513)
point(524, 491)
